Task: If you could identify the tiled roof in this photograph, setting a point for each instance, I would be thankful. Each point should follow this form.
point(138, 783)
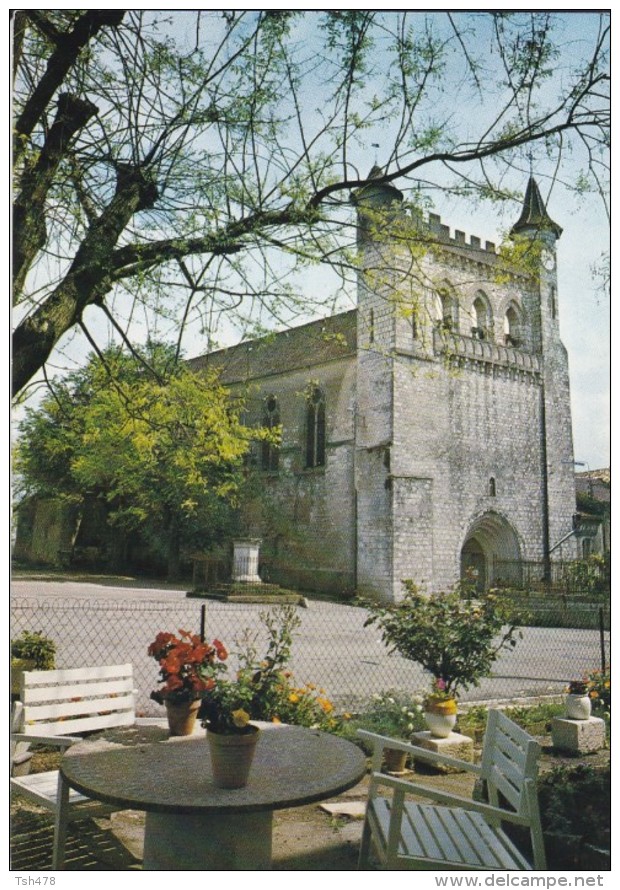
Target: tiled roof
point(306, 346)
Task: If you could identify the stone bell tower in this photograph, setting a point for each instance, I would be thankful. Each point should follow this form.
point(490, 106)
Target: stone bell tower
point(557, 471)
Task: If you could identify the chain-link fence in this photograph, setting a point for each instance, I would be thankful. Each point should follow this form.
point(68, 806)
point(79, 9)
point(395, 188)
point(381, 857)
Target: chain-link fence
point(332, 648)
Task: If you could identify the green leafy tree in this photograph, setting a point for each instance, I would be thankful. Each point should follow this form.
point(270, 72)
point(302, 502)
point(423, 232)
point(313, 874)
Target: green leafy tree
point(196, 164)
point(164, 452)
point(452, 635)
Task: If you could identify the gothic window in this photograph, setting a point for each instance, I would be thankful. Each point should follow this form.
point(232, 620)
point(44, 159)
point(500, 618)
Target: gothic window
point(315, 428)
point(371, 326)
point(492, 487)
point(481, 317)
point(448, 310)
point(270, 452)
point(512, 327)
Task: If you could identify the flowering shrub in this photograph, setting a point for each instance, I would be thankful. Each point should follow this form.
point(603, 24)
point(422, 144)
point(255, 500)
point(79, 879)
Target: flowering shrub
point(262, 689)
point(455, 636)
point(598, 684)
point(188, 667)
point(275, 694)
point(395, 714)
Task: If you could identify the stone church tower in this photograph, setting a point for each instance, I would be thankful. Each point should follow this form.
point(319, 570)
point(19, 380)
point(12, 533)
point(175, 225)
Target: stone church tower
point(427, 432)
point(464, 444)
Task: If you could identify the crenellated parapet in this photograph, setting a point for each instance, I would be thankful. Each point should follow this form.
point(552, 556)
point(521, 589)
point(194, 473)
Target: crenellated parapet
point(459, 239)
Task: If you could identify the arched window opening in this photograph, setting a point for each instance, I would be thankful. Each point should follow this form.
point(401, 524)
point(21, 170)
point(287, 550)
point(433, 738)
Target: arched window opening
point(512, 327)
point(492, 487)
point(481, 316)
point(448, 310)
point(270, 451)
point(315, 429)
point(371, 326)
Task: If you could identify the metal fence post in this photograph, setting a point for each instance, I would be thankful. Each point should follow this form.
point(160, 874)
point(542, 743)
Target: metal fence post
point(601, 631)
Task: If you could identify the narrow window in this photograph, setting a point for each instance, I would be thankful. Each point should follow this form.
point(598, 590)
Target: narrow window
point(481, 314)
point(448, 309)
point(552, 298)
point(512, 327)
point(270, 452)
point(315, 429)
point(372, 326)
point(492, 488)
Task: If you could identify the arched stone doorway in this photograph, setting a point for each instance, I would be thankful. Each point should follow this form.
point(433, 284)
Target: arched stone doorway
point(491, 549)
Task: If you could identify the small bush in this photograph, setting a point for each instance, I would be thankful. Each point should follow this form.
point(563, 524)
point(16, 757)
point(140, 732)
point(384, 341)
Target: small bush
point(598, 686)
point(576, 800)
point(34, 646)
point(390, 713)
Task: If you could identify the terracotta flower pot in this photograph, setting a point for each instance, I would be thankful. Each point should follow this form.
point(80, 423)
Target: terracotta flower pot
point(395, 761)
point(182, 716)
point(18, 666)
point(232, 756)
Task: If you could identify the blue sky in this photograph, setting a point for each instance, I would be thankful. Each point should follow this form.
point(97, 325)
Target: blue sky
point(584, 309)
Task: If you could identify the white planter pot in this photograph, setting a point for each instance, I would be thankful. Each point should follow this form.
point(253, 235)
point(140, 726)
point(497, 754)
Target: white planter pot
point(440, 725)
point(578, 707)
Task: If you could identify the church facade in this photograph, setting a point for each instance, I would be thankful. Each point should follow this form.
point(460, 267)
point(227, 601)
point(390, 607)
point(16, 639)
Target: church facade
point(427, 432)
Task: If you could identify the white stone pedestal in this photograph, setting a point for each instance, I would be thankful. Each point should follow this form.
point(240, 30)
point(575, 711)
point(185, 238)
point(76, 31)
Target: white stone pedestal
point(245, 560)
point(214, 842)
point(454, 745)
point(578, 736)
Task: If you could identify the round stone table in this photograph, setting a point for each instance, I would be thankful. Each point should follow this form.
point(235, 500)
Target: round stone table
point(191, 824)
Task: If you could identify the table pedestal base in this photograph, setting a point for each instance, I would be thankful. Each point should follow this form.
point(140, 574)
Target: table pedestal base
point(215, 842)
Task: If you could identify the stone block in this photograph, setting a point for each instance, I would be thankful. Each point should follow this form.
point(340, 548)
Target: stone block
point(578, 736)
point(454, 745)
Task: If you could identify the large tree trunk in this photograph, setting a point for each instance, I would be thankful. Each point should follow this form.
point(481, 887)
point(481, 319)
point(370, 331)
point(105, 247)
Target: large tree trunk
point(87, 281)
point(174, 550)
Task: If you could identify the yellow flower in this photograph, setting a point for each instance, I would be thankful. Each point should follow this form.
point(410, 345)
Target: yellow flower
point(240, 718)
point(293, 698)
point(276, 720)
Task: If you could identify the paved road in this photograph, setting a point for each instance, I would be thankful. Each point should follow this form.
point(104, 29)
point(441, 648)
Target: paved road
point(113, 620)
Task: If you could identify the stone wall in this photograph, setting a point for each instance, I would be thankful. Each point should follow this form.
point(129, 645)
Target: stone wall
point(308, 526)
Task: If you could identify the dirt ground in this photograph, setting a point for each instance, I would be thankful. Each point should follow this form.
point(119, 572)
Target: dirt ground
point(318, 837)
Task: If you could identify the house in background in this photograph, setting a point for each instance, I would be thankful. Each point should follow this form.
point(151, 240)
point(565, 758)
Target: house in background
point(426, 432)
point(594, 506)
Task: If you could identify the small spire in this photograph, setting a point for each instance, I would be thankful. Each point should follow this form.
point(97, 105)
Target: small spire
point(377, 193)
point(534, 214)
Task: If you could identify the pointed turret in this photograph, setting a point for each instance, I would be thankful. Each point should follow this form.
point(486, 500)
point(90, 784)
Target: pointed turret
point(534, 216)
point(378, 204)
point(377, 194)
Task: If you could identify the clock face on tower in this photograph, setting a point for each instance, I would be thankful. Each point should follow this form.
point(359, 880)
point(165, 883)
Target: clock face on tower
point(547, 259)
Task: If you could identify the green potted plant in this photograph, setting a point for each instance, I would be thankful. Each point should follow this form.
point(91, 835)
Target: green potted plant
point(30, 651)
point(396, 715)
point(455, 636)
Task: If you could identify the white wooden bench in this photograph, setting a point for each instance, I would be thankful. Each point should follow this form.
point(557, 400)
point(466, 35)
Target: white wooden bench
point(55, 707)
point(456, 832)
